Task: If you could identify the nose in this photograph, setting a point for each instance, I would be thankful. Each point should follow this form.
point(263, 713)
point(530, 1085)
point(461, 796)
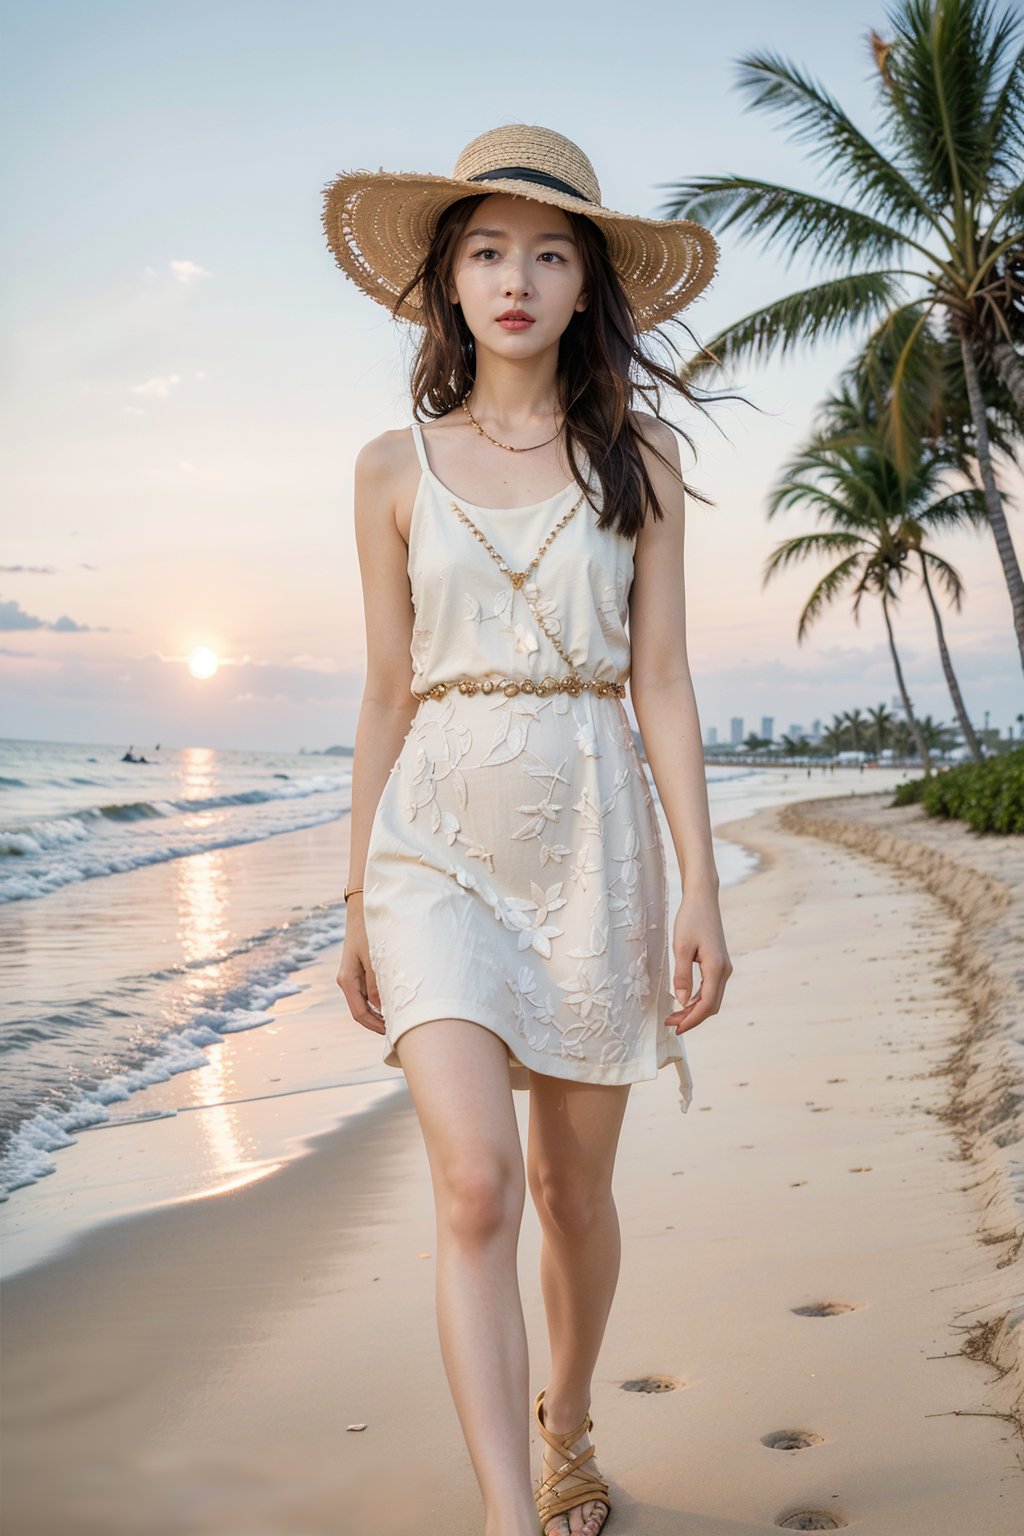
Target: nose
point(516, 284)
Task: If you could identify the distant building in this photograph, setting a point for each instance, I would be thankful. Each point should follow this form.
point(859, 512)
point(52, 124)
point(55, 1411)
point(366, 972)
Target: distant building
point(736, 730)
point(816, 730)
point(768, 727)
point(795, 732)
point(712, 736)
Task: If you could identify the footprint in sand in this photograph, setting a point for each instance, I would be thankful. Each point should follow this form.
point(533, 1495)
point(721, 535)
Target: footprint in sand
point(826, 1308)
point(810, 1520)
point(799, 1184)
point(866, 1169)
point(653, 1384)
point(791, 1439)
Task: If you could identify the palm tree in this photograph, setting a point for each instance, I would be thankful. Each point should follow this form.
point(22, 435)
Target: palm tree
point(939, 737)
point(881, 722)
point(832, 736)
point(850, 481)
point(855, 719)
point(941, 212)
point(852, 488)
point(914, 499)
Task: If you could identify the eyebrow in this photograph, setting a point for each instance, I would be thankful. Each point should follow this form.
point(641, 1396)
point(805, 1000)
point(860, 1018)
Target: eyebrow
point(492, 234)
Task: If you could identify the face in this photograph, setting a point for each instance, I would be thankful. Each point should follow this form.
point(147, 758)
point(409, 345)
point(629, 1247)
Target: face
point(517, 254)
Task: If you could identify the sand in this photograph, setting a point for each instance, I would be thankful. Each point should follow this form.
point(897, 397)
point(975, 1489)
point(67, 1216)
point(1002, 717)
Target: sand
point(194, 1368)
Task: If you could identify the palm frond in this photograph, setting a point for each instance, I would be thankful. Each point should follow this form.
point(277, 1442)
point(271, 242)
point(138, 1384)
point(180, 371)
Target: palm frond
point(949, 578)
point(1005, 228)
point(818, 120)
point(805, 545)
point(1004, 130)
point(826, 591)
point(791, 493)
point(941, 84)
point(956, 510)
point(761, 209)
point(810, 315)
point(901, 372)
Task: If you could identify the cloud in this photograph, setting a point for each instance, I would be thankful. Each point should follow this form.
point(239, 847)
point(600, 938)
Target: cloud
point(14, 617)
point(159, 386)
point(28, 570)
point(187, 271)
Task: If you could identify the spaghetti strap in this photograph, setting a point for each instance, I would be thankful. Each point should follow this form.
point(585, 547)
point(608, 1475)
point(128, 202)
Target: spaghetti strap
point(417, 437)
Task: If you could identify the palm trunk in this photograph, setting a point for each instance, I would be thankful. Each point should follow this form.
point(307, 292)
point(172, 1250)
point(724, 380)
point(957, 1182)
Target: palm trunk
point(918, 734)
point(947, 666)
point(993, 500)
point(1011, 371)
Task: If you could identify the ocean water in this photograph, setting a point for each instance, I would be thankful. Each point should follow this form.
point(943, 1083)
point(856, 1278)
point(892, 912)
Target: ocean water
point(136, 923)
point(71, 813)
point(147, 910)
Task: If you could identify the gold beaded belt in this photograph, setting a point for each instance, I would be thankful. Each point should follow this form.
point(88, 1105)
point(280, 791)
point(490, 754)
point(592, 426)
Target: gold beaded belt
point(510, 686)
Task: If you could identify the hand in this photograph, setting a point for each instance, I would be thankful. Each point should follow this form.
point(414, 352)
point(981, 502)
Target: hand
point(697, 935)
point(355, 974)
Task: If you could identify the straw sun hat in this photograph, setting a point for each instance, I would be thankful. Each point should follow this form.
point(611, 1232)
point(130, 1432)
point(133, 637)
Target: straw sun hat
point(378, 223)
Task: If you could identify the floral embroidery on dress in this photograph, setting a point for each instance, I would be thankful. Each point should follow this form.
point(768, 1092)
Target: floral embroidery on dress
point(530, 1009)
point(589, 992)
point(535, 890)
point(525, 641)
point(529, 916)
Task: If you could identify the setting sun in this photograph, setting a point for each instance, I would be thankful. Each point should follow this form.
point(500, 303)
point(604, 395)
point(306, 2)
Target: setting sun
point(202, 662)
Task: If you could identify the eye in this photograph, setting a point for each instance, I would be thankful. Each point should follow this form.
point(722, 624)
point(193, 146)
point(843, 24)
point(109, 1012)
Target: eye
point(556, 254)
point(487, 250)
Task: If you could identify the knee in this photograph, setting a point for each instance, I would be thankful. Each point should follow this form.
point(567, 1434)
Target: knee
point(571, 1206)
point(482, 1200)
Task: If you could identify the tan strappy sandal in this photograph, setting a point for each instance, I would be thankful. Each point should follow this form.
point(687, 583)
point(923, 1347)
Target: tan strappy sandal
point(584, 1485)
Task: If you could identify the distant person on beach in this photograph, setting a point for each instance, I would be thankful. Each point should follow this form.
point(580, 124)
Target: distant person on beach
point(506, 920)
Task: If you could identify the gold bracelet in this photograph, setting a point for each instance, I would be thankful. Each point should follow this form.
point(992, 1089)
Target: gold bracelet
point(354, 891)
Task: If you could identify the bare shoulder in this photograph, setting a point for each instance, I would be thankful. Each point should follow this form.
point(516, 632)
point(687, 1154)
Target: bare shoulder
point(666, 479)
point(384, 459)
point(658, 433)
point(386, 471)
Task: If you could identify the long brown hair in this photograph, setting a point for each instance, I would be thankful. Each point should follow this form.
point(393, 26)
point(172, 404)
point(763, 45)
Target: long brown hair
point(601, 366)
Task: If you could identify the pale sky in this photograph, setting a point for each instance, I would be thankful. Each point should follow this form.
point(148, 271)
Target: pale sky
point(188, 377)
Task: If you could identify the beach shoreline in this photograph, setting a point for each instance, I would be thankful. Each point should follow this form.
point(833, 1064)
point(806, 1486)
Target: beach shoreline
point(815, 1167)
point(980, 880)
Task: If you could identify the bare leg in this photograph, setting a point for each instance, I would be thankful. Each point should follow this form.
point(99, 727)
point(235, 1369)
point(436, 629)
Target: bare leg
point(573, 1138)
point(457, 1073)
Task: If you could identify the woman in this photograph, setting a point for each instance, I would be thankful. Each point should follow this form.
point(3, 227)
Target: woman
point(507, 877)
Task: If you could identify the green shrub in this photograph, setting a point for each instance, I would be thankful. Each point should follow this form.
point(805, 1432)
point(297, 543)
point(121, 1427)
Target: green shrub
point(988, 796)
point(909, 792)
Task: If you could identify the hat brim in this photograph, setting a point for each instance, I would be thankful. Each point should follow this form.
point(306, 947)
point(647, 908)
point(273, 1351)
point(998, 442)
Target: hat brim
point(379, 223)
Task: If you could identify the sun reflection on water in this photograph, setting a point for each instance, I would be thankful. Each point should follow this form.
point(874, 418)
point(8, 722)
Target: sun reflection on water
point(204, 935)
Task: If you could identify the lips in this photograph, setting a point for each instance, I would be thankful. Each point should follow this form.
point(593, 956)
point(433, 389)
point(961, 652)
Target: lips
point(516, 314)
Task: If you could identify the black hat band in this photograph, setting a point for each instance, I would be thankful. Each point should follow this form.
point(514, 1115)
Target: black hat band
point(524, 173)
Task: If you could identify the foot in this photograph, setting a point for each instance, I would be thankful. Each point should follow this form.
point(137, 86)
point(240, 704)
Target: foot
point(587, 1517)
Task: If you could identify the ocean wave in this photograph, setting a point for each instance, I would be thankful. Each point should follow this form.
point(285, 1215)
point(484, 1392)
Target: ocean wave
point(26, 884)
point(40, 856)
point(242, 1002)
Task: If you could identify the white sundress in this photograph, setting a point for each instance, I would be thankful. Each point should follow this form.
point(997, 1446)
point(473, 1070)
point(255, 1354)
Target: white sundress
point(515, 873)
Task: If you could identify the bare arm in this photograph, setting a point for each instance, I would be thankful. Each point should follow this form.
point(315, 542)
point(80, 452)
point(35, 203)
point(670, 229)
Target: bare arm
point(663, 700)
point(388, 703)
